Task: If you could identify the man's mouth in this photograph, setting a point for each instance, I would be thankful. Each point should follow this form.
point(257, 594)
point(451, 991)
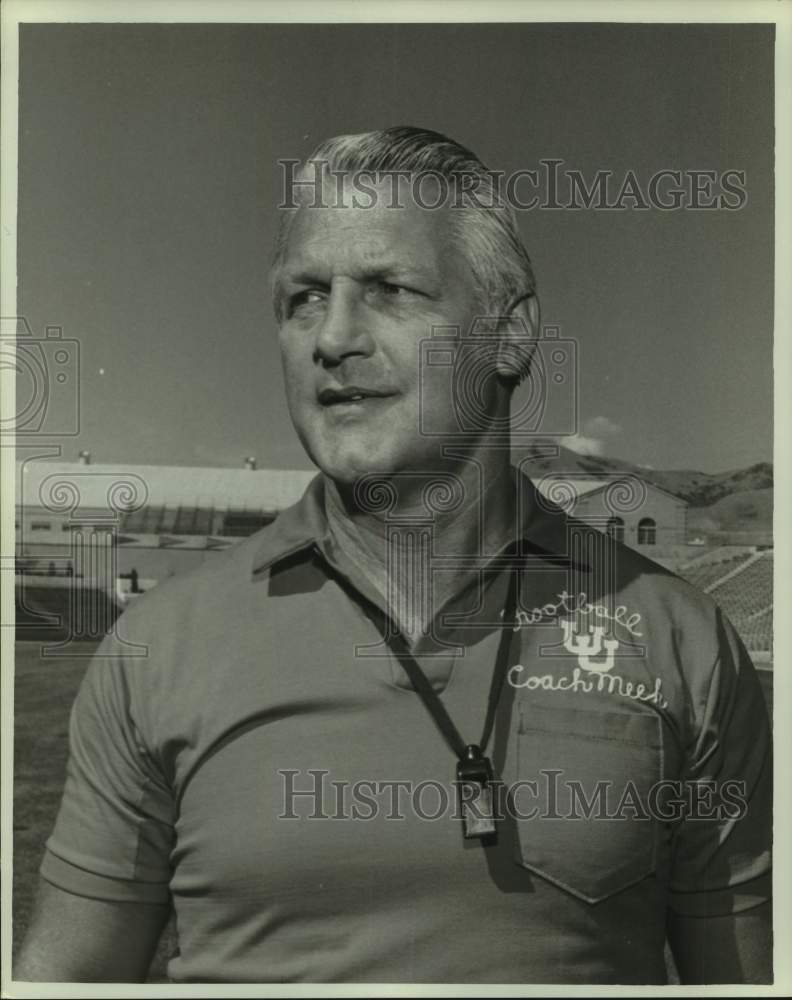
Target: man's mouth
point(350, 394)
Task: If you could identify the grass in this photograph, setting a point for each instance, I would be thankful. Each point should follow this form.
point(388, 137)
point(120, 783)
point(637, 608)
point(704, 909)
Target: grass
point(44, 690)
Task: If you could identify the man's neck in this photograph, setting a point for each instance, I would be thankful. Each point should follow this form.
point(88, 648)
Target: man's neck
point(470, 512)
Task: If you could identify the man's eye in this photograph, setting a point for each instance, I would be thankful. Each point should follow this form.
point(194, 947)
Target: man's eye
point(389, 289)
point(310, 296)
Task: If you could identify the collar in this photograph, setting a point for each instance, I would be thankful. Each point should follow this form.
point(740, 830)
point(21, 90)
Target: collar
point(544, 526)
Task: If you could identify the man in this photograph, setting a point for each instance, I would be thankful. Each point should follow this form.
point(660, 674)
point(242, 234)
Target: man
point(276, 767)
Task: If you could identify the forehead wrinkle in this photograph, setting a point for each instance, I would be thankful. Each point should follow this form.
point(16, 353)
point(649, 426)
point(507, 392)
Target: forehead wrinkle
point(350, 258)
point(362, 242)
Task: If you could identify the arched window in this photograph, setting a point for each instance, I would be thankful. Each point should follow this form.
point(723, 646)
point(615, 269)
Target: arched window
point(615, 529)
point(647, 531)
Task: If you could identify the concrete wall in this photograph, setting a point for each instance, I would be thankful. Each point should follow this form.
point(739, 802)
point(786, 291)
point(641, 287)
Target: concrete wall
point(668, 513)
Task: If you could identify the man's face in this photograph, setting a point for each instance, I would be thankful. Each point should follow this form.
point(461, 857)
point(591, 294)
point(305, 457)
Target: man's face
point(360, 289)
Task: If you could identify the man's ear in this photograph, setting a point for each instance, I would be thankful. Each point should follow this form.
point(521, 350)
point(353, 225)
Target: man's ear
point(518, 332)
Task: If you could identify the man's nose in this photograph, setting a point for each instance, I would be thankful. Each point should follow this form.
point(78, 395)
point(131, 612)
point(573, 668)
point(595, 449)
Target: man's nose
point(344, 331)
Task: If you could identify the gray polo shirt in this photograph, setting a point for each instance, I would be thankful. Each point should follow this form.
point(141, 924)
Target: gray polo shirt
point(249, 747)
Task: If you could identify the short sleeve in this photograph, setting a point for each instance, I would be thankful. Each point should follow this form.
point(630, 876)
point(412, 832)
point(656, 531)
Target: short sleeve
point(721, 849)
point(114, 831)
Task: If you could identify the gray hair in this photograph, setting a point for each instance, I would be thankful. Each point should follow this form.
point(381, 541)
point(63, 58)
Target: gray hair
point(484, 226)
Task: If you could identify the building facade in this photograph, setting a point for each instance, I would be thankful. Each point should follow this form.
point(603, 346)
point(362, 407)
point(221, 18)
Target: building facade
point(629, 509)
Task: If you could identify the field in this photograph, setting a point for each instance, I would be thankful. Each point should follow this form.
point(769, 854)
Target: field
point(44, 691)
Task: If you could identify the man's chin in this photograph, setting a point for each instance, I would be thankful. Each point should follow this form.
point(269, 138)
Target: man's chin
point(348, 461)
point(348, 470)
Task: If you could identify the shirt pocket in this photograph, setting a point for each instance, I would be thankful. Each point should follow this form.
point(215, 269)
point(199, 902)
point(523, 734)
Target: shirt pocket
point(585, 823)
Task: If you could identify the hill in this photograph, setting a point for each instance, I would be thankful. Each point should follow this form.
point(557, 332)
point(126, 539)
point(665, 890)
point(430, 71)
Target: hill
point(746, 511)
point(700, 489)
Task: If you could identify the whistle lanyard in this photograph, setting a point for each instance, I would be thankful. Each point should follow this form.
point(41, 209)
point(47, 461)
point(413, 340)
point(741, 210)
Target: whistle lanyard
point(474, 770)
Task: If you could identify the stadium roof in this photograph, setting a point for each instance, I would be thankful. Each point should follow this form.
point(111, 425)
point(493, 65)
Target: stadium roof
point(61, 486)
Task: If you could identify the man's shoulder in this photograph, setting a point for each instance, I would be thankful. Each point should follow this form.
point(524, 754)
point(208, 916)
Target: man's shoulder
point(192, 633)
point(619, 566)
point(665, 595)
point(596, 567)
point(672, 614)
point(203, 590)
point(222, 577)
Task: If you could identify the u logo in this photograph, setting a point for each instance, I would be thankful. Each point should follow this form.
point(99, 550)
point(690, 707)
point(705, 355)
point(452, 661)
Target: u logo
point(587, 645)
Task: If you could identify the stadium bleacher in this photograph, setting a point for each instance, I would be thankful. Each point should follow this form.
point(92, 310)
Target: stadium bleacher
point(749, 591)
point(192, 519)
point(757, 632)
point(742, 585)
point(704, 575)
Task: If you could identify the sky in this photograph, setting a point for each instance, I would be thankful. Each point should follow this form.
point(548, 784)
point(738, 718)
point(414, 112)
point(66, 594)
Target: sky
point(148, 180)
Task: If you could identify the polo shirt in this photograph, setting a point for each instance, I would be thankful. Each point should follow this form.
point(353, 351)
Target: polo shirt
point(249, 747)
